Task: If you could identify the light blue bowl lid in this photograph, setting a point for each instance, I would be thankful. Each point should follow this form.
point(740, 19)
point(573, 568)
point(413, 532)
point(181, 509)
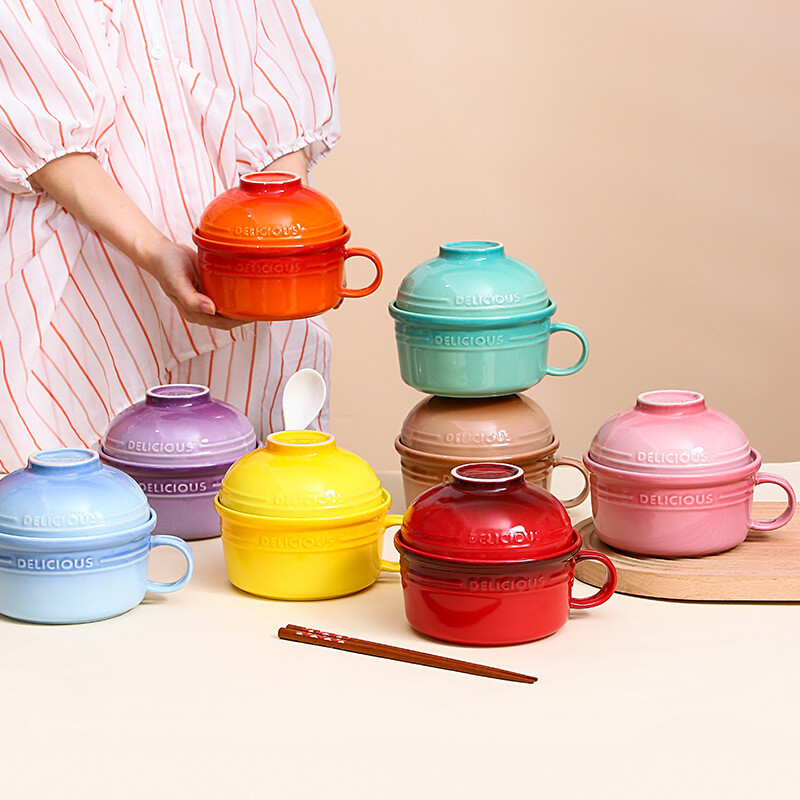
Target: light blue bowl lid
point(473, 279)
point(68, 493)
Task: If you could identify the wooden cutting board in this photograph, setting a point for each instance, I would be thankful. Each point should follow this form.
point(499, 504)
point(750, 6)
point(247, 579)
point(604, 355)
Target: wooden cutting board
point(765, 567)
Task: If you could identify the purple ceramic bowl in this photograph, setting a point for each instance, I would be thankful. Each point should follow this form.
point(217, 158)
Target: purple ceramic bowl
point(177, 444)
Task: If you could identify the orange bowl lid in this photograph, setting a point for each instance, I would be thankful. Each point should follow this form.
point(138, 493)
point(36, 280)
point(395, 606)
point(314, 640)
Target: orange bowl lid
point(268, 210)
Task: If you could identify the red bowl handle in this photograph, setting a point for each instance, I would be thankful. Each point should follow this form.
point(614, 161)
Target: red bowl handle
point(361, 251)
point(607, 588)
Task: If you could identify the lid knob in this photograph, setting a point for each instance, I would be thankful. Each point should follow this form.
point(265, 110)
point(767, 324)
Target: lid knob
point(271, 182)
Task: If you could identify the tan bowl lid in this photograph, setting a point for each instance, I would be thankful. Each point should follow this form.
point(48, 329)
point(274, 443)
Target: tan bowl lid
point(477, 428)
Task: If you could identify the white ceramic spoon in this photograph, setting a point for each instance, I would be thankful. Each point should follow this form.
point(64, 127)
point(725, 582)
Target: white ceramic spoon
point(303, 396)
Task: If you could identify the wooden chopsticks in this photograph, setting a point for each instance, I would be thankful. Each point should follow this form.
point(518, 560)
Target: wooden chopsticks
point(296, 633)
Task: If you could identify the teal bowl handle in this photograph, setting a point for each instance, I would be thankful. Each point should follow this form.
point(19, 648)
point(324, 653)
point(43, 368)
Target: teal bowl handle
point(562, 326)
point(158, 540)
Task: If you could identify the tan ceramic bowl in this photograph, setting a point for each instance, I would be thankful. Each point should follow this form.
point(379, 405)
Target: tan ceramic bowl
point(440, 433)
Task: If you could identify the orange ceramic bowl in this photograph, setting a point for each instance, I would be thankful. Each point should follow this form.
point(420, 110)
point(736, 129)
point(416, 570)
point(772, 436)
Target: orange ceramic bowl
point(273, 249)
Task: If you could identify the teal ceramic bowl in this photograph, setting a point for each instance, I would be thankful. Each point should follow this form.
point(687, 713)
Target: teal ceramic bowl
point(474, 322)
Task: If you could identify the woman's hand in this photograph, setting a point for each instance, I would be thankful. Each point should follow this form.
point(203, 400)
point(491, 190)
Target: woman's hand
point(89, 193)
point(174, 266)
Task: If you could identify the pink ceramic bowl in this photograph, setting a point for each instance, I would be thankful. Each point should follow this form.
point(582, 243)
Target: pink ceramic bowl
point(679, 515)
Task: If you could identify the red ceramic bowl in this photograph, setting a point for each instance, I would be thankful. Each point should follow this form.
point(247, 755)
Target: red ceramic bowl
point(273, 249)
point(484, 603)
point(488, 559)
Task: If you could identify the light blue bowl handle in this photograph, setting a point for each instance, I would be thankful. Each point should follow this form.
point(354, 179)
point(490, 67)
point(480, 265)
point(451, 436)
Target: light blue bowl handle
point(562, 326)
point(172, 541)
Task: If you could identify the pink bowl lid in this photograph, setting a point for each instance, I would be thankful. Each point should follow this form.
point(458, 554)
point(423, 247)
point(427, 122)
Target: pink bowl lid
point(670, 432)
point(178, 425)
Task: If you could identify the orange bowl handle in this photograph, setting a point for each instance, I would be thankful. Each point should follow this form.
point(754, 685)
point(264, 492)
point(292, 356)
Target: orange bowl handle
point(362, 251)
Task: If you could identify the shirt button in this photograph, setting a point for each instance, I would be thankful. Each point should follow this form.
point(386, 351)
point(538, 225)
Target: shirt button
point(157, 51)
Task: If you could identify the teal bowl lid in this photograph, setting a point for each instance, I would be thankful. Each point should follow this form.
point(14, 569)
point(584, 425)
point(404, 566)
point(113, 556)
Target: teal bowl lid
point(472, 279)
point(68, 493)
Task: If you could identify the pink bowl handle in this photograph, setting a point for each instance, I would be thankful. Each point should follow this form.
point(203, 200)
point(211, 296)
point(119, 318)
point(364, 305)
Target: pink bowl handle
point(362, 251)
point(780, 521)
point(607, 588)
point(584, 493)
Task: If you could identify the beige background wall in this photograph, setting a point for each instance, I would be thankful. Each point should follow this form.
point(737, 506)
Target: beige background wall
point(643, 157)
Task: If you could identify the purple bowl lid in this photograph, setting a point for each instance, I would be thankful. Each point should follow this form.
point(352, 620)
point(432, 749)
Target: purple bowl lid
point(179, 425)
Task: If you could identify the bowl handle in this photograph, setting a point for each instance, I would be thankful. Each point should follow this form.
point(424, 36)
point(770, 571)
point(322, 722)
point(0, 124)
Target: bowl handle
point(779, 521)
point(563, 461)
point(362, 251)
point(562, 326)
point(391, 566)
point(607, 588)
point(159, 540)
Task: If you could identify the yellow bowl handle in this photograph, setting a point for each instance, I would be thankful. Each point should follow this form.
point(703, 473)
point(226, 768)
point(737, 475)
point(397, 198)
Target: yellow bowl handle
point(391, 566)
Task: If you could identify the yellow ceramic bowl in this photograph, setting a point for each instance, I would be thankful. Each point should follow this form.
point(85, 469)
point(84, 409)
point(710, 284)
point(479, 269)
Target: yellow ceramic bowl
point(305, 559)
point(303, 520)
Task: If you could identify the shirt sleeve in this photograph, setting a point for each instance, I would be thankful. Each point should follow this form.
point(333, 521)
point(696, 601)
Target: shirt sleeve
point(49, 105)
point(288, 98)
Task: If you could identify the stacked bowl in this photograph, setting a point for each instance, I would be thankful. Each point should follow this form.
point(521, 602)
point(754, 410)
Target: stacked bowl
point(474, 322)
point(440, 433)
point(273, 249)
point(488, 559)
point(75, 539)
point(177, 444)
point(672, 477)
point(303, 519)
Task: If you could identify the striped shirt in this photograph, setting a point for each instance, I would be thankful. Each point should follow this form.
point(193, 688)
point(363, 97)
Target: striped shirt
point(176, 99)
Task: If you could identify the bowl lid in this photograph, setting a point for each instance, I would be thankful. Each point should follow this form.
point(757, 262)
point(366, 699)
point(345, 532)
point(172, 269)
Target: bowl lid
point(474, 428)
point(301, 474)
point(178, 425)
point(487, 511)
point(270, 210)
point(472, 279)
point(68, 493)
point(670, 432)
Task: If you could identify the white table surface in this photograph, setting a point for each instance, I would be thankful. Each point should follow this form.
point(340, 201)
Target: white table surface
point(193, 695)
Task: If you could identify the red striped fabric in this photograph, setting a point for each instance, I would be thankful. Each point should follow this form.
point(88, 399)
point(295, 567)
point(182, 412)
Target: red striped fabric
point(176, 100)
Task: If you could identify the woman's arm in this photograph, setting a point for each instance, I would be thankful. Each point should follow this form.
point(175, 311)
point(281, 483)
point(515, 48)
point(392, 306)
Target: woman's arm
point(79, 184)
point(291, 162)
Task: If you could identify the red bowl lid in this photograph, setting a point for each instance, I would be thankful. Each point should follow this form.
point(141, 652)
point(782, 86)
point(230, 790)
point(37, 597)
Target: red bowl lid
point(487, 511)
point(270, 210)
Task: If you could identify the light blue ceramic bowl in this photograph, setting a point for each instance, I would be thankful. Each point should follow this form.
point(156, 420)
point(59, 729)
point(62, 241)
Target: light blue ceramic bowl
point(475, 323)
point(75, 539)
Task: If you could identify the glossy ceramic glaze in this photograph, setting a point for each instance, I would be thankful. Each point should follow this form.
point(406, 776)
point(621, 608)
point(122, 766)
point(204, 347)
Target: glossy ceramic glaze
point(273, 249)
point(487, 559)
point(476, 323)
point(487, 512)
point(303, 519)
point(177, 444)
point(305, 558)
point(672, 478)
point(678, 515)
point(75, 538)
point(473, 277)
point(670, 432)
point(479, 603)
point(440, 433)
